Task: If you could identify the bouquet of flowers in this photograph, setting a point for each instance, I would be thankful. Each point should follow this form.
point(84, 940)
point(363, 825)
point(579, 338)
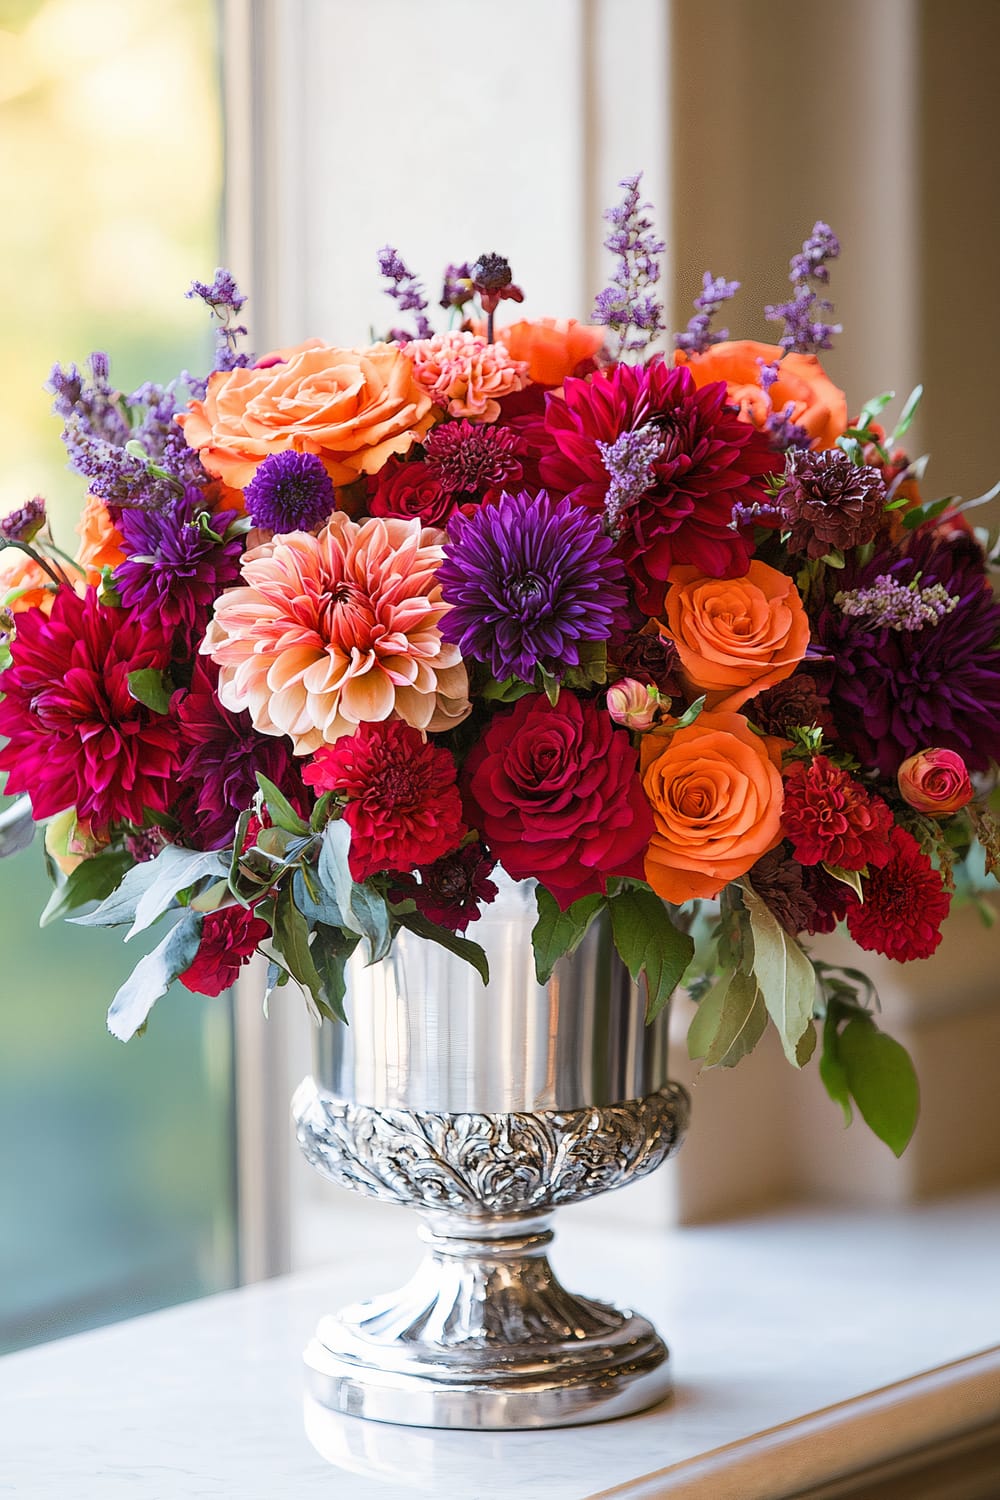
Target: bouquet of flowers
point(347, 629)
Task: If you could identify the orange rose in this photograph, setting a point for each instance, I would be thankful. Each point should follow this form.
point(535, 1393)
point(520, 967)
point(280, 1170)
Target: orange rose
point(100, 540)
point(19, 572)
point(551, 347)
point(715, 790)
point(353, 408)
point(817, 404)
point(735, 636)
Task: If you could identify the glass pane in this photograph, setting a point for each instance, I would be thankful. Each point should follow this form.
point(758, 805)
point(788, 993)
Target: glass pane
point(117, 1190)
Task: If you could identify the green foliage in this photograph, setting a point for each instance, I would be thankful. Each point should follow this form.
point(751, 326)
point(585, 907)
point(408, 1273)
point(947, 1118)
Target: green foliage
point(283, 814)
point(649, 944)
point(729, 1022)
point(152, 977)
point(93, 880)
point(152, 888)
point(461, 946)
point(364, 909)
point(152, 687)
point(17, 827)
point(862, 1064)
point(784, 975)
point(559, 932)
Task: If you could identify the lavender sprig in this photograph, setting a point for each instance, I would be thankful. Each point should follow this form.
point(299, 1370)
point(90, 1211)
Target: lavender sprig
point(698, 335)
point(805, 333)
point(898, 606)
point(628, 302)
point(224, 301)
point(406, 291)
point(630, 461)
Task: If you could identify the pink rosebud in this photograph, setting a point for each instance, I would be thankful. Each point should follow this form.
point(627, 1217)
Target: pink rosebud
point(633, 704)
point(935, 782)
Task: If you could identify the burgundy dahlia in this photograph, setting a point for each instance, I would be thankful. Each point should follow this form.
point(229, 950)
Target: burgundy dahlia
point(904, 906)
point(828, 502)
point(778, 880)
point(229, 939)
point(648, 656)
point(796, 702)
point(709, 462)
point(76, 735)
point(451, 890)
point(473, 458)
point(403, 804)
point(832, 819)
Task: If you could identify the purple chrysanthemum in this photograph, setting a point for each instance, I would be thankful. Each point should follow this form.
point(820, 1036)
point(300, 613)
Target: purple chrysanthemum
point(176, 566)
point(290, 492)
point(529, 579)
point(892, 692)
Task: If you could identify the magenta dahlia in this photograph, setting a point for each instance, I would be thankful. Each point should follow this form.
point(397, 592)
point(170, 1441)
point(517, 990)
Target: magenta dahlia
point(77, 737)
point(707, 461)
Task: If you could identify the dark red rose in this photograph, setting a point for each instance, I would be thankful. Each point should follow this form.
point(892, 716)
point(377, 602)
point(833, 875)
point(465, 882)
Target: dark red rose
point(229, 939)
point(557, 794)
point(409, 490)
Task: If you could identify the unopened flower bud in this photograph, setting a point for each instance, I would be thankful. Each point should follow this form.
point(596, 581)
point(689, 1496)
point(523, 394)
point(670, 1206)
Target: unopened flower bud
point(24, 524)
point(633, 704)
point(935, 782)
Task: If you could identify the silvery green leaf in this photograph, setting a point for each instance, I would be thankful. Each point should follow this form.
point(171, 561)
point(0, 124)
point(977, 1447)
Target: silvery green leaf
point(315, 901)
point(150, 889)
point(362, 910)
point(17, 827)
point(93, 880)
point(741, 1024)
point(785, 977)
point(153, 976)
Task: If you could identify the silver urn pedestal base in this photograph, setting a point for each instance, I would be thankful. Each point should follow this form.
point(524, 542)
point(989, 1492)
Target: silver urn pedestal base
point(485, 1110)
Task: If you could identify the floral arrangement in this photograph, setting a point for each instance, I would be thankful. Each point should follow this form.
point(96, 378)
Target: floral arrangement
point(346, 629)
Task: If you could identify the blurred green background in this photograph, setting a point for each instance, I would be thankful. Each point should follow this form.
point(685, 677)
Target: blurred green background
point(117, 1177)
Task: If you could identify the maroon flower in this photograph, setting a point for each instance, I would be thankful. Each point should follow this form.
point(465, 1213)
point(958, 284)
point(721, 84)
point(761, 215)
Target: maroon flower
point(829, 898)
point(77, 736)
point(778, 880)
point(450, 890)
point(403, 804)
point(828, 502)
point(832, 819)
point(558, 795)
point(229, 939)
point(409, 490)
point(796, 702)
point(709, 462)
point(904, 906)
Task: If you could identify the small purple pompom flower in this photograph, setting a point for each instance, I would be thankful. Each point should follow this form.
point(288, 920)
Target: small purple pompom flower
point(529, 578)
point(290, 492)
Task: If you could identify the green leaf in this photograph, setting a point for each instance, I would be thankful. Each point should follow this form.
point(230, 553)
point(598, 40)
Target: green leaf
point(741, 1024)
point(364, 911)
point(453, 941)
point(882, 1080)
point(151, 687)
point(850, 878)
point(153, 976)
point(831, 1069)
point(927, 512)
point(330, 951)
point(507, 691)
point(806, 1045)
point(559, 932)
point(872, 408)
point(551, 686)
point(650, 944)
point(690, 714)
point(17, 827)
point(92, 880)
point(906, 416)
point(150, 889)
point(784, 974)
point(706, 1019)
point(283, 814)
point(291, 938)
point(314, 901)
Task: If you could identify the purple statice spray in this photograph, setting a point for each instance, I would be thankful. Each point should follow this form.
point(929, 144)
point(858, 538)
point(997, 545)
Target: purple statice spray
point(23, 524)
point(805, 333)
point(628, 303)
point(290, 492)
point(528, 579)
point(406, 291)
point(698, 336)
point(224, 301)
point(892, 605)
point(631, 464)
point(457, 288)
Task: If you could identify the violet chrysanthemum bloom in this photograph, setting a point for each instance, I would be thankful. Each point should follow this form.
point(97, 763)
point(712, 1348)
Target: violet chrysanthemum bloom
point(290, 492)
point(892, 691)
point(176, 567)
point(529, 578)
point(829, 502)
point(76, 735)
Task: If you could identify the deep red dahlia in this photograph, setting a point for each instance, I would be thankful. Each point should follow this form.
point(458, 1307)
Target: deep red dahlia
point(451, 890)
point(709, 463)
point(904, 906)
point(832, 819)
point(229, 939)
point(403, 804)
point(77, 736)
point(829, 898)
point(557, 794)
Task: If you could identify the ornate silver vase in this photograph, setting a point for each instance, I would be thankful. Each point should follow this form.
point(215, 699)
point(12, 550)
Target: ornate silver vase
point(485, 1109)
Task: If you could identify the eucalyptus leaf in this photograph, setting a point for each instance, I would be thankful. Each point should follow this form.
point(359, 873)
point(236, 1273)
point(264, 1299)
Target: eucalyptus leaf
point(330, 951)
point(741, 1025)
point(149, 889)
point(314, 901)
point(462, 947)
point(650, 945)
point(786, 978)
point(282, 812)
point(363, 910)
point(557, 932)
point(882, 1081)
point(153, 976)
point(17, 827)
point(291, 938)
point(93, 880)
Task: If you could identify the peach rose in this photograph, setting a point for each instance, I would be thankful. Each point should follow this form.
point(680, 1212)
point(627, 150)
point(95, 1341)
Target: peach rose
point(100, 540)
point(551, 347)
point(21, 576)
point(735, 636)
point(817, 404)
point(353, 408)
point(716, 794)
point(935, 782)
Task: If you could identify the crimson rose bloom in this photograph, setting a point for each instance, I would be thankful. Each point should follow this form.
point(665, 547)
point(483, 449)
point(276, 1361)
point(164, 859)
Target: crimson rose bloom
point(558, 796)
point(409, 490)
point(832, 819)
point(229, 939)
point(904, 906)
point(403, 805)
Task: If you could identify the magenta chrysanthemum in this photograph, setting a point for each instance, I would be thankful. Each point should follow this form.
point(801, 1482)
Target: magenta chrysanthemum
point(77, 737)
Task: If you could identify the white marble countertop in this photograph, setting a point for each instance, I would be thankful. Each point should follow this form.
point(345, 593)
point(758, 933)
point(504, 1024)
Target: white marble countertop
point(771, 1321)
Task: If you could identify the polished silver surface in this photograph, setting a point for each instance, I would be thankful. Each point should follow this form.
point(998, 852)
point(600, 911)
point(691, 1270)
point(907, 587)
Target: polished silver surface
point(425, 1033)
point(404, 1106)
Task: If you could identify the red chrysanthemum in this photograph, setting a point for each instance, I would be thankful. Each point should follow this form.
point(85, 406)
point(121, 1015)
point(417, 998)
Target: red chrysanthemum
point(904, 906)
point(558, 795)
point(403, 804)
point(828, 896)
point(832, 819)
point(78, 738)
point(229, 939)
point(710, 461)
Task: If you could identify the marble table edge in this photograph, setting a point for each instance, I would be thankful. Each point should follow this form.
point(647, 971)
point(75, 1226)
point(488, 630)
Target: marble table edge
point(836, 1442)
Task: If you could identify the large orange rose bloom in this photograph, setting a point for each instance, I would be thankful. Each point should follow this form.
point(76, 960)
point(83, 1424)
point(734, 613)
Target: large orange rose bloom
point(817, 404)
point(551, 347)
point(19, 571)
point(353, 408)
point(100, 541)
point(735, 636)
point(715, 790)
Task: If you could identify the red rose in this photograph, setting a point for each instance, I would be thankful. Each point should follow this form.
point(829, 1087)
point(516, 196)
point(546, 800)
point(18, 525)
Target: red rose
point(410, 490)
point(558, 796)
point(229, 939)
